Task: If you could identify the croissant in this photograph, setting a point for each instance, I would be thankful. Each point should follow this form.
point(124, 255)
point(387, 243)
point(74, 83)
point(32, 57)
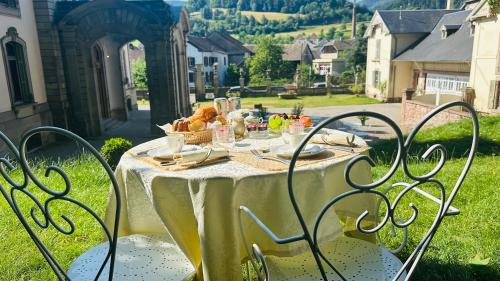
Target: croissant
point(205, 114)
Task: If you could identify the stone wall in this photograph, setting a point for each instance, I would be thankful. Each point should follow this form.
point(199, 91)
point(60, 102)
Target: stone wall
point(412, 112)
point(15, 123)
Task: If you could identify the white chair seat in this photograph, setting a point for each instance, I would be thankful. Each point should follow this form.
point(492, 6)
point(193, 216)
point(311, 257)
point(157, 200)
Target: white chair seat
point(355, 259)
point(138, 257)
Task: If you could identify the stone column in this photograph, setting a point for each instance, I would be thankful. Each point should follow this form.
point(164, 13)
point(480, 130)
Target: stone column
point(242, 82)
point(160, 83)
point(406, 96)
point(327, 81)
point(216, 81)
point(469, 95)
point(199, 80)
point(53, 71)
point(421, 81)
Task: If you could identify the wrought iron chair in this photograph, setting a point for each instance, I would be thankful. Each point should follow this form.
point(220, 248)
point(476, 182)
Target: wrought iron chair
point(352, 259)
point(135, 257)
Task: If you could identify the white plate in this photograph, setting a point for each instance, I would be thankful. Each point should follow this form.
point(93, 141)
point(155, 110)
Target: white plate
point(286, 150)
point(164, 152)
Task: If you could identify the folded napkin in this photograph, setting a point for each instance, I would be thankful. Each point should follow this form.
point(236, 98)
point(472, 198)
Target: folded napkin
point(338, 138)
point(200, 155)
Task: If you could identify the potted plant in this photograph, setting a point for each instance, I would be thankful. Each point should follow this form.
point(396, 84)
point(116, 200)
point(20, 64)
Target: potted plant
point(363, 119)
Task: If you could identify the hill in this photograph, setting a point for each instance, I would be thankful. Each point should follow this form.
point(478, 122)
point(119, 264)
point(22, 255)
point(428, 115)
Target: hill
point(408, 4)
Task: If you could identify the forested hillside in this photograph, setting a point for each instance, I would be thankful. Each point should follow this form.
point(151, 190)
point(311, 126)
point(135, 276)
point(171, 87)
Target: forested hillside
point(282, 6)
point(227, 15)
point(408, 4)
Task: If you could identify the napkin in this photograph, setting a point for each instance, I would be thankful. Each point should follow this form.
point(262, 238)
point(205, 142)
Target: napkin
point(339, 138)
point(200, 155)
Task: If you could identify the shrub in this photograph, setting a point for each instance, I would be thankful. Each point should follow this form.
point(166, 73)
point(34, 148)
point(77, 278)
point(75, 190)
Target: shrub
point(356, 89)
point(113, 149)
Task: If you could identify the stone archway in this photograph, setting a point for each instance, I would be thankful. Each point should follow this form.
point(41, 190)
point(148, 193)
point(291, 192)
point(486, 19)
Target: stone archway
point(83, 23)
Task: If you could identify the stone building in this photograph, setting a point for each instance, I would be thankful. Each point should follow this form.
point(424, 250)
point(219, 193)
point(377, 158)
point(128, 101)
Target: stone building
point(438, 67)
point(331, 59)
point(389, 34)
point(485, 63)
point(64, 62)
point(23, 98)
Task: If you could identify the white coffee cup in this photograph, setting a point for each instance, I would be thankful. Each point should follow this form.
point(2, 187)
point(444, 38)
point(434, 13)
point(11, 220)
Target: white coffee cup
point(175, 142)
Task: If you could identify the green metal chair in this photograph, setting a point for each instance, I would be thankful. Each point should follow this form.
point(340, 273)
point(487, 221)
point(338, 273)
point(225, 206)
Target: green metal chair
point(135, 257)
point(353, 259)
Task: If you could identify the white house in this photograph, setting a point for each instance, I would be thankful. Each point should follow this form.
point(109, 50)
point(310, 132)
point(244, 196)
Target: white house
point(201, 50)
point(216, 47)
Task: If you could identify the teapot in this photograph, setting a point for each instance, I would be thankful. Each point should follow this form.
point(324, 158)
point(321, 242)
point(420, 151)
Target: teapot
point(238, 125)
point(250, 119)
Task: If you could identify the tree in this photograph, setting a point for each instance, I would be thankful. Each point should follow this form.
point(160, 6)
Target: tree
point(356, 56)
point(195, 5)
point(322, 34)
point(330, 34)
point(139, 73)
point(268, 55)
point(232, 77)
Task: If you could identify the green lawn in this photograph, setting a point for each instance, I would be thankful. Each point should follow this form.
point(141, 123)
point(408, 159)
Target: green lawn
point(313, 101)
point(310, 29)
point(466, 247)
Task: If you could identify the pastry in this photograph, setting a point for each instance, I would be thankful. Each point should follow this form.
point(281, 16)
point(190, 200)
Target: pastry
point(197, 126)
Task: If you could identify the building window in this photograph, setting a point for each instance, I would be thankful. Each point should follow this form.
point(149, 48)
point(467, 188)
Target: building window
point(10, 8)
point(225, 61)
point(205, 61)
point(445, 84)
point(14, 53)
point(376, 78)
point(191, 62)
point(325, 69)
point(191, 77)
point(213, 60)
point(377, 49)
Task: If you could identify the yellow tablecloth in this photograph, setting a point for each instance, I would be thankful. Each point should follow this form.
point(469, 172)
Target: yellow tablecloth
point(198, 208)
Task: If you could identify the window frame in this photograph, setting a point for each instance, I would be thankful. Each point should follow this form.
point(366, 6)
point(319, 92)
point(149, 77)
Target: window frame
point(191, 61)
point(13, 37)
point(378, 49)
point(10, 8)
point(376, 78)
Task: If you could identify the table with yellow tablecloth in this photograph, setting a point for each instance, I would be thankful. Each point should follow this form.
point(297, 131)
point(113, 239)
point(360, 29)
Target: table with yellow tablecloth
point(197, 208)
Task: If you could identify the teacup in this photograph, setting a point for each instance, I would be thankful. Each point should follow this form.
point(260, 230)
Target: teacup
point(175, 142)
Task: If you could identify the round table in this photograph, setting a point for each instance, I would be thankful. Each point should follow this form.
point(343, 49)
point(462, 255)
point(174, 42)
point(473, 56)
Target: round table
point(198, 208)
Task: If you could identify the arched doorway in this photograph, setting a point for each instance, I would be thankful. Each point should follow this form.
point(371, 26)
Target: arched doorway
point(111, 24)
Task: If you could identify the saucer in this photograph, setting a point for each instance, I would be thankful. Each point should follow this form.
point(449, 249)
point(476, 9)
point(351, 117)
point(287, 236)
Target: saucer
point(286, 150)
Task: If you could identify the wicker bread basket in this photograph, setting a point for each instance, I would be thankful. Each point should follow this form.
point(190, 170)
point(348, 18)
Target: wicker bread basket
point(200, 137)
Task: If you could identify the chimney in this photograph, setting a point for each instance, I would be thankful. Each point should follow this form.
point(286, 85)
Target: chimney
point(354, 20)
point(450, 4)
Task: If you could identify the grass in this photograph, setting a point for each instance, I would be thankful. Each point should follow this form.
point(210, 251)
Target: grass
point(312, 101)
point(269, 15)
point(309, 30)
point(466, 247)
point(21, 260)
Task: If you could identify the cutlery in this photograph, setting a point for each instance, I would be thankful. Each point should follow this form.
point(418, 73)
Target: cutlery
point(260, 156)
point(346, 149)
